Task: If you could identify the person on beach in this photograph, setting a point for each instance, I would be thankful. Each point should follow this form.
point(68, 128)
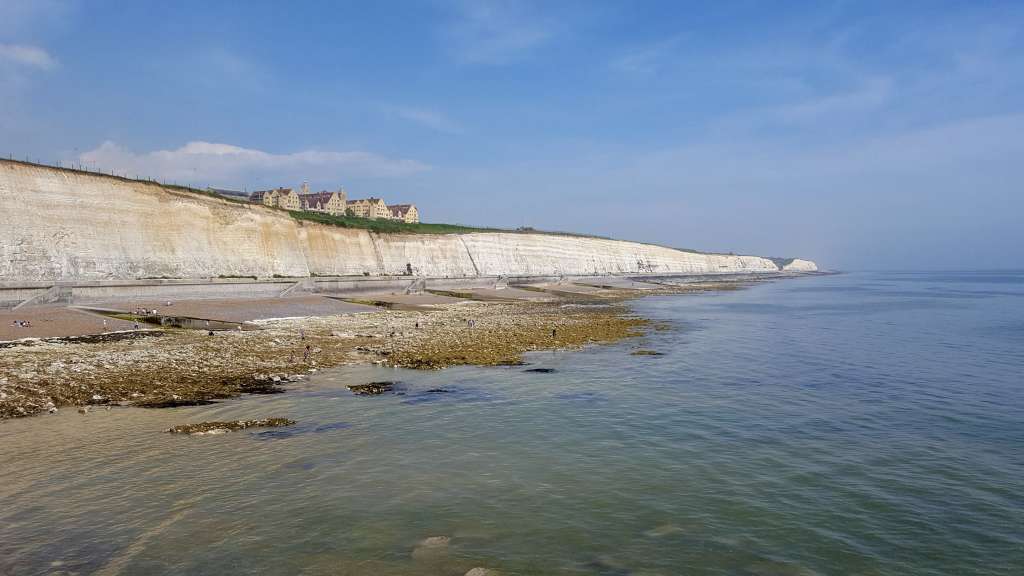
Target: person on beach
point(554, 332)
point(305, 355)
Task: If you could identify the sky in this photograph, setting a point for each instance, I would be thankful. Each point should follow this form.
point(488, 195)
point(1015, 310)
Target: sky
point(863, 135)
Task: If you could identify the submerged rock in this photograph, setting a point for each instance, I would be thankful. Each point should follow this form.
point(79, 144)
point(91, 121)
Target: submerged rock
point(372, 389)
point(540, 370)
point(646, 353)
point(481, 572)
point(431, 548)
point(224, 427)
point(663, 530)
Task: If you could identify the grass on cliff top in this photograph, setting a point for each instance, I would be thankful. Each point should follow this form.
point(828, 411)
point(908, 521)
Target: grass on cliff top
point(387, 226)
point(399, 227)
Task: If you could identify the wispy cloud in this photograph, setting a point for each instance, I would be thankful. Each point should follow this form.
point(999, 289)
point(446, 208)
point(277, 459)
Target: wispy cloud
point(216, 163)
point(645, 59)
point(25, 55)
point(868, 95)
point(428, 118)
point(21, 18)
point(494, 32)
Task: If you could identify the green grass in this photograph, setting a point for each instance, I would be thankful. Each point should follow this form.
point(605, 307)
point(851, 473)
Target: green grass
point(388, 226)
point(399, 227)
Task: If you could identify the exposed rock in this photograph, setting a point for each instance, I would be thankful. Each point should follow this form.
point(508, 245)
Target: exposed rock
point(172, 402)
point(371, 389)
point(223, 427)
point(481, 572)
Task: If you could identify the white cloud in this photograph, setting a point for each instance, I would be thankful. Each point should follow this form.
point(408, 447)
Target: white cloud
point(429, 119)
point(205, 163)
point(494, 32)
point(25, 55)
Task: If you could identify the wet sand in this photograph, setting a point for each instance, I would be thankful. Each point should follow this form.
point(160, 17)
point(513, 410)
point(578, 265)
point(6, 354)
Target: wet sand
point(56, 322)
point(422, 301)
point(240, 309)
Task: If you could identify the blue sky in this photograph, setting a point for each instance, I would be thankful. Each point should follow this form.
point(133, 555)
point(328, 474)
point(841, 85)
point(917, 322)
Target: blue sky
point(860, 134)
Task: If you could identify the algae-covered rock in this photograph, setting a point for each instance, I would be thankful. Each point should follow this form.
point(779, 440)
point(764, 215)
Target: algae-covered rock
point(224, 427)
point(372, 389)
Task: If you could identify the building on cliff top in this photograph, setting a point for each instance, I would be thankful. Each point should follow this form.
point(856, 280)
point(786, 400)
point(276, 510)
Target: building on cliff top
point(404, 212)
point(369, 208)
point(278, 198)
point(333, 203)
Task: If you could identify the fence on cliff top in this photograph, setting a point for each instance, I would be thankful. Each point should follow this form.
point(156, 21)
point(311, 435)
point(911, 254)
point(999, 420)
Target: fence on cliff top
point(83, 168)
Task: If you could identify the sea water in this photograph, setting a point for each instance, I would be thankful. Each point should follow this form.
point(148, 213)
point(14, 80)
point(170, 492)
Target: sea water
point(865, 423)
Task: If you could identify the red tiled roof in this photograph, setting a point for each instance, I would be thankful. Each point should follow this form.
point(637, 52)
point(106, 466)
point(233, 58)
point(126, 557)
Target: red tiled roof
point(316, 200)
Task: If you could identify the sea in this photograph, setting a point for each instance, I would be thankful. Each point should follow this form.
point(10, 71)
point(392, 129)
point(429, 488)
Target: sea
point(865, 423)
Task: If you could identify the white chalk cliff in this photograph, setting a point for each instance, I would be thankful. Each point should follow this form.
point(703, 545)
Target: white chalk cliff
point(65, 225)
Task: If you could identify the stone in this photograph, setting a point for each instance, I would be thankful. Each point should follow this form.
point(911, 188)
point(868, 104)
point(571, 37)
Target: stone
point(663, 530)
point(217, 427)
point(431, 548)
point(372, 388)
point(481, 572)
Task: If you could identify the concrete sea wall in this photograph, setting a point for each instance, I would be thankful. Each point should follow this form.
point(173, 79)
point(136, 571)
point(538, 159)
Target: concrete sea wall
point(63, 225)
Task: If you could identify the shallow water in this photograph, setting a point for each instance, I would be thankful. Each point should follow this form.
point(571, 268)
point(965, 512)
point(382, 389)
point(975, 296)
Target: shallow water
point(854, 424)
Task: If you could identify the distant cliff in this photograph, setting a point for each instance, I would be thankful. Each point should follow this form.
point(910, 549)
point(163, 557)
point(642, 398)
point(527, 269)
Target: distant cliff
point(65, 225)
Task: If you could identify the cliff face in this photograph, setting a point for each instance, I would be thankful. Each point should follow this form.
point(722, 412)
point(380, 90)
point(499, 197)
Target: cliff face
point(63, 225)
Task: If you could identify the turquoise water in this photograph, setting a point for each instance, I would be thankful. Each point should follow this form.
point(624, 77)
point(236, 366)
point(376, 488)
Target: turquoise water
point(852, 424)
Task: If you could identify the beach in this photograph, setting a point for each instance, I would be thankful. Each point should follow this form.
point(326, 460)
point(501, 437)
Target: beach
point(168, 367)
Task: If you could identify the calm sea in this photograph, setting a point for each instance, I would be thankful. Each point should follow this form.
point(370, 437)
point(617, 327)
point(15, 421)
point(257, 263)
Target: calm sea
point(867, 423)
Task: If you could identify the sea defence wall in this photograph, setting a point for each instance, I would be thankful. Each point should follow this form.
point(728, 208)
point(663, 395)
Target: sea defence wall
point(63, 225)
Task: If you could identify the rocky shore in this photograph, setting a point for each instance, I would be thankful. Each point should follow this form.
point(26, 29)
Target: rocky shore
point(175, 367)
